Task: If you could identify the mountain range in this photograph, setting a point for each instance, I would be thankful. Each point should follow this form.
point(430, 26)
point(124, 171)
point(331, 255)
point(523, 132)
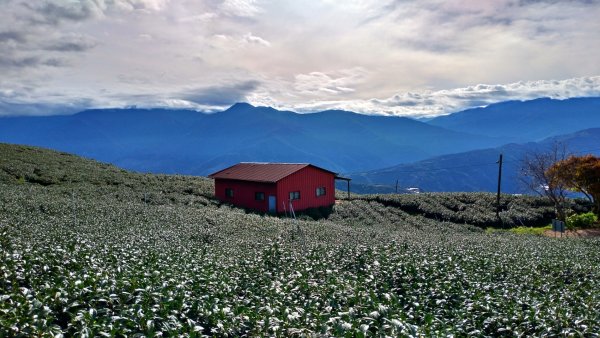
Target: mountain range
point(475, 170)
point(417, 153)
point(188, 142)
point(524, 121)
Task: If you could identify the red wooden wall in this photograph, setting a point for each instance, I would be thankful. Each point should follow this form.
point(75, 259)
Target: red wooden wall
point(306, 180)
point(244, 193)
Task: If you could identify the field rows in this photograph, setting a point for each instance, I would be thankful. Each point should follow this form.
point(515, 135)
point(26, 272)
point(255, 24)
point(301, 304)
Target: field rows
point(93, 260)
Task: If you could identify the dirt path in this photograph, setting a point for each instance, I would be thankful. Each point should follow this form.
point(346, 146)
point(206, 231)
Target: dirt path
point(574, 233)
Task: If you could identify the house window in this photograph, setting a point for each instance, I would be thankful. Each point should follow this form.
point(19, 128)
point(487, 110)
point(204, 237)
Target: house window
point(259, 196)
point(320, 191)
point(294, 195)
point(229, 193)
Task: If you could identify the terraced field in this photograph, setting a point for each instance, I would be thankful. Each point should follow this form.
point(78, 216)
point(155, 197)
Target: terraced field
point(89, 250)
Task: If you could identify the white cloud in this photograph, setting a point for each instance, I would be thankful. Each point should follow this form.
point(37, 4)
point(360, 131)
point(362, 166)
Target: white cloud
point(435, 103)
point(318, 83)
point(154, 5)
point(204, 17)
point(230, 44)
point(242, 8)
point(220, 96)
point(253, 39)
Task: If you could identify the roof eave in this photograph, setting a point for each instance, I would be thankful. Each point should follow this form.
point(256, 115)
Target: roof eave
point(238, 179)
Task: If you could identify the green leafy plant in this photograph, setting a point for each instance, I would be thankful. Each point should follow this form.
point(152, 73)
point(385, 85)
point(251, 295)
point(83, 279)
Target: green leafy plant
point(530, 230)
point(586, 220)
point(125, 254)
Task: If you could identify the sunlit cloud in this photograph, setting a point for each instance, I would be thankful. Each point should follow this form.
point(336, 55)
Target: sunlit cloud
point(435, 103)
point(243, 8)
point(253, 39)
point(394, 57)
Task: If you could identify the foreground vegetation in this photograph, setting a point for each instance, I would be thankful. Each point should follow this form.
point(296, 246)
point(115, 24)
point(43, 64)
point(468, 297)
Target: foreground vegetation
point(87, 249)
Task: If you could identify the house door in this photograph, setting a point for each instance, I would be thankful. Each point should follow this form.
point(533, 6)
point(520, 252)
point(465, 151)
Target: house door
point(272, 203)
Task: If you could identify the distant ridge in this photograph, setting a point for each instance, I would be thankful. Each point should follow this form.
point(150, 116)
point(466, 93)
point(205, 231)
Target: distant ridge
point(522, 121)
point(189, 142)
point(240, 106)
point(474, 170)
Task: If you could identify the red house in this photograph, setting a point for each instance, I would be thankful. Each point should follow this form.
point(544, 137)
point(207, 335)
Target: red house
point(271, 187)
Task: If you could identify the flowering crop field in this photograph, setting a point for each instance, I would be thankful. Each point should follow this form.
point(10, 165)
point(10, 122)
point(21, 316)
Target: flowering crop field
point(90, 250)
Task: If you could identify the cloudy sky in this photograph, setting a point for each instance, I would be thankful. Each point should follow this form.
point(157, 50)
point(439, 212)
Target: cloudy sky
point(402, 57)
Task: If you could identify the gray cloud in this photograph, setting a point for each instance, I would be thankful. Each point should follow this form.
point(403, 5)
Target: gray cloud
point(68, 47)
point(12, 104)
point(26, 39)
point(18, 62)
point(38, 109)
point(446, 26)
point(223, 95)
point(439, 46)
point(54, 12)
point(15, 36)
point(524, 3)
point(70, 44)
point(55, 62)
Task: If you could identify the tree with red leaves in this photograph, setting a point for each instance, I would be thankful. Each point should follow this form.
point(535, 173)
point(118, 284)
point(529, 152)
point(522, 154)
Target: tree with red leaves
point(581, 174)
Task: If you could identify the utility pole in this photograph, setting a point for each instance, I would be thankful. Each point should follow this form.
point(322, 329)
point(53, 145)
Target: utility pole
point(396, 186)
point(348, 182)
point(499, 182)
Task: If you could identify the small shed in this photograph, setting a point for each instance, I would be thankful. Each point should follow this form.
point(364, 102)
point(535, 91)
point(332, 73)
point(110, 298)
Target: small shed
point(273, 187)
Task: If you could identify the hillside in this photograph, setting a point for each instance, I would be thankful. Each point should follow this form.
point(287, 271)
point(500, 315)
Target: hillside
point(524, 121)
point(31, 166)
point(473, 170)
point(89, 249)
